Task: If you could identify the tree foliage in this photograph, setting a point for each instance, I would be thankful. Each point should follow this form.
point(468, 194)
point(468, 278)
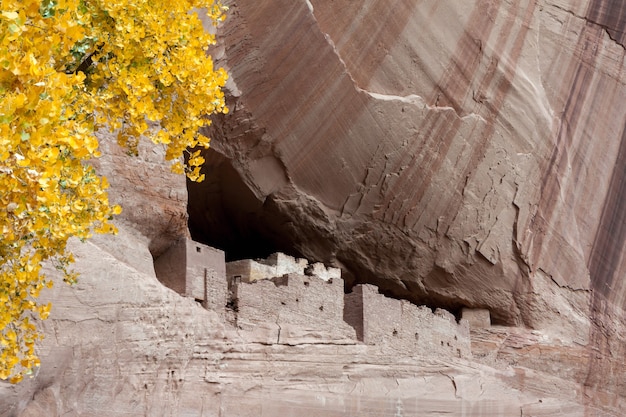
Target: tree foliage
point(67, 69)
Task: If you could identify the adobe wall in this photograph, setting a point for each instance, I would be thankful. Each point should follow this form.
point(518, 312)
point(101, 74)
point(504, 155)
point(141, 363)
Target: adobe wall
point(285, 264)
point(399, 326)
point(195, 270)
point(206, 275)
point(270, 293)
point(295, 299)
point(323, 272)
point(478, 318)
point(277, 265)
point(248, 270)
point(201, 258)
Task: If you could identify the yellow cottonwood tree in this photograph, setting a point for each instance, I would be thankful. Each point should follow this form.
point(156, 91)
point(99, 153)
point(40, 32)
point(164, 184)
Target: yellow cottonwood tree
point(68, 68)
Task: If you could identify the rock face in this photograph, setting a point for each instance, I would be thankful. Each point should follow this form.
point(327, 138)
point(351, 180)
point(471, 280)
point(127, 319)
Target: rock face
point(466, 155)
point(457, 155)
point(450, 154)
point(120, 344)
point(153, 198)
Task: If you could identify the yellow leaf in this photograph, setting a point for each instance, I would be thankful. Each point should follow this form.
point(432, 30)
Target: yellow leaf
point(156, 69)
point(16, 379)
point(10, 15)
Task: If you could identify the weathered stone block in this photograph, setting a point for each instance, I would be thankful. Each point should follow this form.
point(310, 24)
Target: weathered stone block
point(477, 318)
point(402, 327)
point(276, 265)
point(195, 270)
point(319, 270)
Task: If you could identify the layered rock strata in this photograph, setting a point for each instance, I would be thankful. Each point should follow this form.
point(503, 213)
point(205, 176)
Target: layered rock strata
point(120, 344)
point(457, 155)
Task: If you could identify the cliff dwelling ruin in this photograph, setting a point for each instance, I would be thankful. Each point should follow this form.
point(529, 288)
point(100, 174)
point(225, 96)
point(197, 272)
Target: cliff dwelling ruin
point(294, 297)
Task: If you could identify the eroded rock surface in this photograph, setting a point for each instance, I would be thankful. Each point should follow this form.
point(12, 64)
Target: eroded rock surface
point(121, 344)
point(459, 154)
point(153, 199)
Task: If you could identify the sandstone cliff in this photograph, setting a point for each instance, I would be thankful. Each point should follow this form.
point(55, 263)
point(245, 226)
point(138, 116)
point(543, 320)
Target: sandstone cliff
point(458, 154)
point(454, 153)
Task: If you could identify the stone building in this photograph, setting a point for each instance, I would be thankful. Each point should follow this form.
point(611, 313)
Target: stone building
point(478, 318)
point(290, 293)
point(290, 300)
point(294, 300)
point(402, 327)
point(277, 265)
point(195, 270)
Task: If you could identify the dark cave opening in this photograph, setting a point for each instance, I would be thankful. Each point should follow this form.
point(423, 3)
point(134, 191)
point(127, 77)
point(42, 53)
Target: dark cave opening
point(224, 213)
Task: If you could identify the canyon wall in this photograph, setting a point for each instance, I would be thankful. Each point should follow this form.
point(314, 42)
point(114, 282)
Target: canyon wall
point(454, 153)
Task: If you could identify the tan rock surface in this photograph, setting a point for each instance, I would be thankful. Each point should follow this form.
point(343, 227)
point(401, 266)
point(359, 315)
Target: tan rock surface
point(455, 153)
point(459, 154)
point(377, 169)
point(121, 344)
point(433, 133)
point(154, 200)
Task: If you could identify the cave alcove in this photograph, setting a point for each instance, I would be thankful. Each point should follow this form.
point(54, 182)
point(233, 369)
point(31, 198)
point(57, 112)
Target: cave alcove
point(225, 214)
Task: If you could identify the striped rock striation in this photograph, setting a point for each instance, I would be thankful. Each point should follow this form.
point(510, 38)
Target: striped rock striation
point(457, 154)
point(467, 155)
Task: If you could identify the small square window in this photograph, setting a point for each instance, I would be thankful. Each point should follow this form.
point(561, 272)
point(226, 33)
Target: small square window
point(198, 249)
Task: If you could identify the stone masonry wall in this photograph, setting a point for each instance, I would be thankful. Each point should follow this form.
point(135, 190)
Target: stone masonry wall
point(277, 265)
point(206, 276)
point(294, 299)
point(197, 271)
point(399, 326)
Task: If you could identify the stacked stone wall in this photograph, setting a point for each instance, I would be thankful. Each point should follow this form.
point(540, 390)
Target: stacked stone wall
point(399, 326)
point(296, 300)
point(277, 265)
point(307, 301)
point(197, 271)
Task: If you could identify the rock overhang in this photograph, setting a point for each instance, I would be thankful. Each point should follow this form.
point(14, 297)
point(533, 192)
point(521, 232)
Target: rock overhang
point(447, 175)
